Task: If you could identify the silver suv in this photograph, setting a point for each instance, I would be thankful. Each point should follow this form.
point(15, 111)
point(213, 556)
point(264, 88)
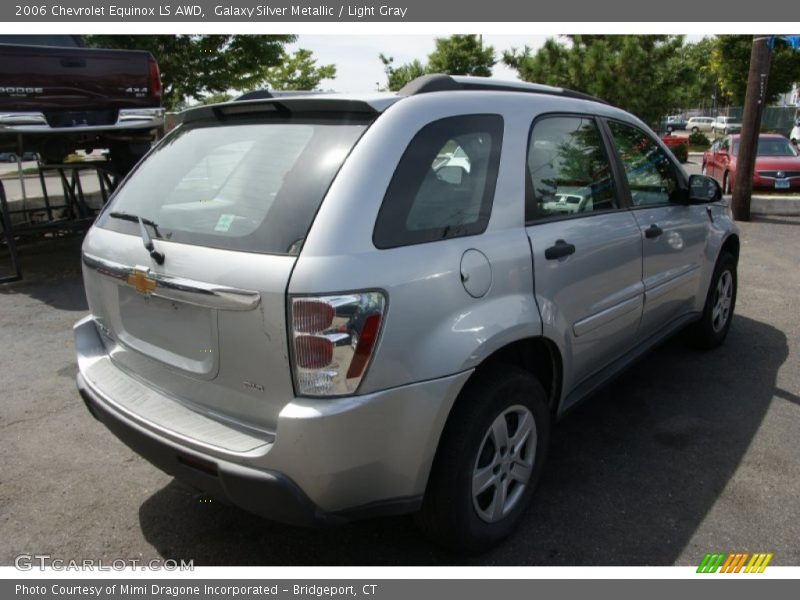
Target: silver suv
point(322, 308)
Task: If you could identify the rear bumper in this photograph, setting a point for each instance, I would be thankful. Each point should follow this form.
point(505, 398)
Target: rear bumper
point(266, 493)
point(768, 184)
point(327, 461)
point(35, 122)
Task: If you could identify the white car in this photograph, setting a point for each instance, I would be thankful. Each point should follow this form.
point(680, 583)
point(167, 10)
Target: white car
point(795, 135)
point(725, 126)
point(695, 124)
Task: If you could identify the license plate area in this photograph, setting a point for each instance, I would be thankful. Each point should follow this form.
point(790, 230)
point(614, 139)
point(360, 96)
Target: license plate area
point(180, 335)
point(782, 184)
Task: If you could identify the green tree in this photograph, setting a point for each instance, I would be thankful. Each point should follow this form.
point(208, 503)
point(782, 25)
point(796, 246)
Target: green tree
point(691, 66)
point(634, 72)
point(195, 66)
point(397, 77)
point(461, 55)
point(216, 98)
point(299, 71)
point(730, 63)
point(454, 55)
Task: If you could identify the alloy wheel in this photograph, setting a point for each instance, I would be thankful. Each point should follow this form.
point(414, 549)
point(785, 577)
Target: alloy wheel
point(504, 464)
point(723, 297)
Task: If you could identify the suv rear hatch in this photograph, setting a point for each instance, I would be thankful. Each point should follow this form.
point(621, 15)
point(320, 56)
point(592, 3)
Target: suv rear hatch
point(227, 198)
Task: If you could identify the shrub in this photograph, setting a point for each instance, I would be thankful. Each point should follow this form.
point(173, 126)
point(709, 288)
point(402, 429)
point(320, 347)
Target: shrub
point(681, 152)
point(699, 139)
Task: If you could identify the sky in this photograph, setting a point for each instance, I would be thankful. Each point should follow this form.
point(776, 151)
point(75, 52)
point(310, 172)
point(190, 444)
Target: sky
point(358, 68)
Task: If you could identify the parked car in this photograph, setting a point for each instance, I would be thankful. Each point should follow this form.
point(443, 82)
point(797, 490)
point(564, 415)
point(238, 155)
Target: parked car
point(725, 125)
point(673, 123)
point(63, 97)
point(678, 145)
point(12, 157)
point(695, 124)
point(777, 163)
point(291, 309)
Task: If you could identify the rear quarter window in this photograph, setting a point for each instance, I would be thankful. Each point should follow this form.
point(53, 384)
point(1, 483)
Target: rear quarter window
point(444, 184)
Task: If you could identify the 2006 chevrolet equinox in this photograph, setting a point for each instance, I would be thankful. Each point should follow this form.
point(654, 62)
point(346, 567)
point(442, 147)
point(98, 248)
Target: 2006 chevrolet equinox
point(321, 308)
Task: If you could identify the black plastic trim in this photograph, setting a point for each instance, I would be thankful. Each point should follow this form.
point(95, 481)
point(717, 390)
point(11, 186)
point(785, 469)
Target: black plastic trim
point(607, 374)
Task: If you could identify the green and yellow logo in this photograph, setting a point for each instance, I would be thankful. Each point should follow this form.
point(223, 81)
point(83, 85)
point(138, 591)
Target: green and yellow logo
point(734, 562)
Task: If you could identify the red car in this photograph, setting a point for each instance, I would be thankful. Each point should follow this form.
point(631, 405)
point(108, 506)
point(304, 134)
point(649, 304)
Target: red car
point(777, 163)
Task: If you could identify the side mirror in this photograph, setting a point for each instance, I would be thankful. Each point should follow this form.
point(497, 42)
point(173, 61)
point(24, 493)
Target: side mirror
point(703, 189)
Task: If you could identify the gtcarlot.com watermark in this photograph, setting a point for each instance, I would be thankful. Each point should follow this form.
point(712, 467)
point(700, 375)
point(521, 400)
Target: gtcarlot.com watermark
point(29, 562)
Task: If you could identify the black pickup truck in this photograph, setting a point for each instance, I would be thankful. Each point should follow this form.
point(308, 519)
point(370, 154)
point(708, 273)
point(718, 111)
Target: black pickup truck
point(57, 96)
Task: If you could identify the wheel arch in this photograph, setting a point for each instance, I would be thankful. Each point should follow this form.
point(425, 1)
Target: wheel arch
point(731, 244)
point(538, 355)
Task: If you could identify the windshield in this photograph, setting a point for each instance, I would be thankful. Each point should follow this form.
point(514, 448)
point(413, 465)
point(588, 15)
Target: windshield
point(771, 147)
point(251, 187)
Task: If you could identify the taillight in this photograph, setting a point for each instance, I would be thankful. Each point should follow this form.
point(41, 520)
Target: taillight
point(153, 78)
point(333, 339)
point(312, 315)
point(313, 351)
point(363, 350)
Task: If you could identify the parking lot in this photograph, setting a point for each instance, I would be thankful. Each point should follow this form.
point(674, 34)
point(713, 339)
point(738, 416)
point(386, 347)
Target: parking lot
point(687, 453)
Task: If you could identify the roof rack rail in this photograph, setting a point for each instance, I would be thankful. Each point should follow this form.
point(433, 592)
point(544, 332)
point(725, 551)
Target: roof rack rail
point(439, 82)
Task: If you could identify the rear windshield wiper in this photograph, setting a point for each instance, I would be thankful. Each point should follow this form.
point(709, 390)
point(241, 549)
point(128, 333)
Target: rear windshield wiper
point(146, 240)
point(136, 219)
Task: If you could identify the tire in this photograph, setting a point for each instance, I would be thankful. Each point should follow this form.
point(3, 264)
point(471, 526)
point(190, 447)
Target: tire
point(695, 130)
point(712, 328)
point(501, 399)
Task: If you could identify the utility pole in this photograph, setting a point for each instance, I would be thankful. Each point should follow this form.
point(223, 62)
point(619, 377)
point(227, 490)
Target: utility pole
point(755, 99)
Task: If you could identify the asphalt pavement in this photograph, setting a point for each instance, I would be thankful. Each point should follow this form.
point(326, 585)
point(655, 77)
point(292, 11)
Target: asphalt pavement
point(687, 453)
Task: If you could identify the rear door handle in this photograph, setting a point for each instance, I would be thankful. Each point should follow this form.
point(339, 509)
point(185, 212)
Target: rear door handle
point(653, 231)
point(559, 250)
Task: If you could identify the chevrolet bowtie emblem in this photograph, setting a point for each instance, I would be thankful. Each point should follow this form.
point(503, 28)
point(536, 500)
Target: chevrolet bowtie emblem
point(141, 281)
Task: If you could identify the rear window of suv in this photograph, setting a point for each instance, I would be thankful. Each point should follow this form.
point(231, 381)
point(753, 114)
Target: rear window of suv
point(253, 187)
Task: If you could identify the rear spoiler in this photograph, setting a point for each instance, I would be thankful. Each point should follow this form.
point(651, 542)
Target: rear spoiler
point(308, 106)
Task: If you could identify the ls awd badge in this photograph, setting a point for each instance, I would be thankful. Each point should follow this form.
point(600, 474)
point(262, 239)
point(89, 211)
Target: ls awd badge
point(256, 387)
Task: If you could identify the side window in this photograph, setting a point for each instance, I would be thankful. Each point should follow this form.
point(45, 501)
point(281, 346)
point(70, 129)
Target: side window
point(568, 170)
point(652, 177)
point(444, 185)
